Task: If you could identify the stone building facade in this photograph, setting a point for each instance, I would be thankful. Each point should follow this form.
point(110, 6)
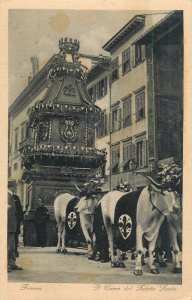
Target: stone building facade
point(144, 96)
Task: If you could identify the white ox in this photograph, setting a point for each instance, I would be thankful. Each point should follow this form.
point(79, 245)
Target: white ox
point(60, 209)
point(85, 208)
point(153, 205)
point(152, 208)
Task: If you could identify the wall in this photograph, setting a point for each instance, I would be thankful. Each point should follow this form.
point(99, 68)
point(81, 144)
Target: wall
point(17, 119)
point(104, 104)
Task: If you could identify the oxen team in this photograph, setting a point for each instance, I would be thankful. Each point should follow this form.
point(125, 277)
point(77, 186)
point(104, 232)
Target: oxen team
point(153, 206)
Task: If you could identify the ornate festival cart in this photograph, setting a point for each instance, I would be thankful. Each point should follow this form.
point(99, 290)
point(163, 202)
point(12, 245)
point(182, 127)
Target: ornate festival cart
point(60, 149)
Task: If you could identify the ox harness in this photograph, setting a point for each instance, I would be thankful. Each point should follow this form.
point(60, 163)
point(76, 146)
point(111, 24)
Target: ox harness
point(153, 205)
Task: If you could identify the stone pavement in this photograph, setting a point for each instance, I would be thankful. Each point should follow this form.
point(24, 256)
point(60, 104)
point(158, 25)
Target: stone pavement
point(44, 265)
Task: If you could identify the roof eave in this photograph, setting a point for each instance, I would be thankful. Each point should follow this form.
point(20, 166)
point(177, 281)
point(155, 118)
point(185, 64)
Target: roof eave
point(134, 24)
point(30, 86)
point(144, 38)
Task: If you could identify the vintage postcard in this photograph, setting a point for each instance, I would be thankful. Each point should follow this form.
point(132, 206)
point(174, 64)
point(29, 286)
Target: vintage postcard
point(95, 157)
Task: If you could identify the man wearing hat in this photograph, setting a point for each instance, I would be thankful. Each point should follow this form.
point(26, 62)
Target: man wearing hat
point(11, 229)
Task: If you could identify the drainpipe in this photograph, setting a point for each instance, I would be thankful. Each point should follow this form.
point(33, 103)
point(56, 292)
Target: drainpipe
point(154, 106)
point(110, 170)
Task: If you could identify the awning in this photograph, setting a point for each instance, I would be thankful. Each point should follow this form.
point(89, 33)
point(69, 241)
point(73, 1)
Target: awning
point(113, 165)
point(124, 163)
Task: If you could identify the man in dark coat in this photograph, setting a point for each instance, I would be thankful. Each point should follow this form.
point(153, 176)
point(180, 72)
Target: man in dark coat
point(41, 218)
point(19, 218)
point(11, 230)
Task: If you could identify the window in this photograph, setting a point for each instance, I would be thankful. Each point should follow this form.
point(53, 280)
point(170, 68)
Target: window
point(139, 53)
point(127, 112)
point(92, 93)
point(115, 68)
point(16, 139)
point(127, 156)
point(141, 153)
point(115, 160)
point(23, 132)
point(101, 129)
point(101, 88)
point(140, 105)
point(126, 65)
point(115, 120)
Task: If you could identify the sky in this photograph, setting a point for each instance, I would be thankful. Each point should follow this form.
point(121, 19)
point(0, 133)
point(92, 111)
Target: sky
point(37, 32)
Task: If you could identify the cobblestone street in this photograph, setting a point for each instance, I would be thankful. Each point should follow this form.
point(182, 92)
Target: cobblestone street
point(43, 265)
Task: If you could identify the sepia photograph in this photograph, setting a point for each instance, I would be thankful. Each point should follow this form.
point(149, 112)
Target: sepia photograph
point(95, 146)
point(95, 143)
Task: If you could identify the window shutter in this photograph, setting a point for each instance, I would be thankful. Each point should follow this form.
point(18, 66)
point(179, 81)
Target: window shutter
point(106, 124)
point(119, 118)
point(130, 151)
point(125, 152)
point(123, 57)
point(137, 107)
point(96, 91)
point(144, 153)
point(97, 130)
point(143, 103)
point(134, 153)
point(142, 52)
point(133, 56)
point(105, 86)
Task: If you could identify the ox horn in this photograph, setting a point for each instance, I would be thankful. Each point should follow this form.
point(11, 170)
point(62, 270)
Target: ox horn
point(78, 189)
point(154, 182)
point(178, 181)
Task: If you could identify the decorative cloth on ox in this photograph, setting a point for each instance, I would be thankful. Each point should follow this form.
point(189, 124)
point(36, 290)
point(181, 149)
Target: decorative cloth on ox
point(125, 220)
point(60, 207)
point(72, 216)
point(122, 209)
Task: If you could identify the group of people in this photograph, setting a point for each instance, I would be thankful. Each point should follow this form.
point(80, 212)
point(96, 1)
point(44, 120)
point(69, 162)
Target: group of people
point(15, 217)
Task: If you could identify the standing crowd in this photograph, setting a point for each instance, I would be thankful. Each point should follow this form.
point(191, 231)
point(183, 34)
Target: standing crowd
point(15, 217)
